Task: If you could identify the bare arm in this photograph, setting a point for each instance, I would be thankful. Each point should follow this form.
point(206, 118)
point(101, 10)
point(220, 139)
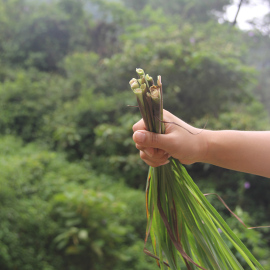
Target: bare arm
point(245, 151)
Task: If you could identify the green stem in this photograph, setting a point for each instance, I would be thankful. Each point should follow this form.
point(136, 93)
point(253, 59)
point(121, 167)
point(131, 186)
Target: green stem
point(149, 112)
point(155, 95)
point(149, 80)
point(140, 100)
point(161, 104)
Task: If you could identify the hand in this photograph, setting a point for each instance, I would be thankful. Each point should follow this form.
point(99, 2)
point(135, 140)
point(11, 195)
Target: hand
point(180, 141)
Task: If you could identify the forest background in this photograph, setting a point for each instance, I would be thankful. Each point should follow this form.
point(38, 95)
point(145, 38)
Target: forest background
point(71, 181)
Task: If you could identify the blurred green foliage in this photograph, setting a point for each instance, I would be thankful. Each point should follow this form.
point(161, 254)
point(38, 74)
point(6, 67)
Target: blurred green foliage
point(61, 215)
point(71, 179)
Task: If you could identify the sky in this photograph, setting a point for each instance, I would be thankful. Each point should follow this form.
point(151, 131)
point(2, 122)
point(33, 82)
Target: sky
point(255, 10)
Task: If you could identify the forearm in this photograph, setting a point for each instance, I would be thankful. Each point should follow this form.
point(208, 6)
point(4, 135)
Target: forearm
point(245, 151)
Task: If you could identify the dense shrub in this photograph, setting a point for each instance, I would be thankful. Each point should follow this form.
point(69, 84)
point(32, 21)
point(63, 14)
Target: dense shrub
point(58, 215)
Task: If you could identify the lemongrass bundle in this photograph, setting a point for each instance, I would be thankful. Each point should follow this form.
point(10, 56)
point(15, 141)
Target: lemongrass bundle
point(184, 227)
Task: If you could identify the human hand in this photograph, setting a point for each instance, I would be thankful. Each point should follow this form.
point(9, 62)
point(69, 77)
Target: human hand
point(181, 141)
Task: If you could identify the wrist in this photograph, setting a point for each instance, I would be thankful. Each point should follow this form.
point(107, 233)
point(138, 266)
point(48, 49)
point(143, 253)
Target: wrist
point(204, 146)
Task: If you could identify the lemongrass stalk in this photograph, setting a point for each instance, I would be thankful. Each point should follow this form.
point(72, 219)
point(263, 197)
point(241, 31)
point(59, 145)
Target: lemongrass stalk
point(149, 103)
point(134, 85)
point(161, 104)
point(156, 98)
point(147, 106)
point(149, 79)
point(147, 84)
point(182, 224)
point(132, 81)
point(144, 88)
point(140, 72)
point(140, 100)
point(143, 78)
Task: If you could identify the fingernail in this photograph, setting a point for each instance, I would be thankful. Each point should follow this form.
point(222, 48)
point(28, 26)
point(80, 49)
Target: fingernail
point(139, 137)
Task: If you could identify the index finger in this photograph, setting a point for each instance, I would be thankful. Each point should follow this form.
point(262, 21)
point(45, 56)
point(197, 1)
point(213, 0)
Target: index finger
point(139, 126)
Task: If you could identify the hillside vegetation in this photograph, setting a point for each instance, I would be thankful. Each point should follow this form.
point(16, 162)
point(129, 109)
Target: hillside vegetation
point(71, 181)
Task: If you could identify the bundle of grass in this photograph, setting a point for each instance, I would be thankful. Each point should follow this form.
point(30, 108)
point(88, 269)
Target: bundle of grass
point(185, 228)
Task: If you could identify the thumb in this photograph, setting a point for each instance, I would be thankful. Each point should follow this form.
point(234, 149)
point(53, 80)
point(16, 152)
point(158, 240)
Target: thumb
point(150, 139)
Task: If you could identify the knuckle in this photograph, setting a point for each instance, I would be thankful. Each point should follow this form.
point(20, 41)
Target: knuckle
point(154, 138)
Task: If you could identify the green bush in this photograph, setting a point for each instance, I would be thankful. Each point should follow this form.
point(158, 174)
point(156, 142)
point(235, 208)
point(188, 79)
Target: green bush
point(25, 99)
point(58, 215)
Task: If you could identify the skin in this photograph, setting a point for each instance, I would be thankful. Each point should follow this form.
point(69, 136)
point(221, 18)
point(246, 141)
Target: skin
point(245, 151)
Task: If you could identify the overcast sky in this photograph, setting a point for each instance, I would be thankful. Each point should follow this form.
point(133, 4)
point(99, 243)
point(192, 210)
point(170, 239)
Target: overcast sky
point(257, 9)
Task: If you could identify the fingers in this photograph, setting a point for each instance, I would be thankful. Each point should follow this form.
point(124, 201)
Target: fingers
point(153, 157)
point(152, 146)
point(154, 162)
point(139, 126)
point(149, 144)
point(150, 139)
point(152, 152)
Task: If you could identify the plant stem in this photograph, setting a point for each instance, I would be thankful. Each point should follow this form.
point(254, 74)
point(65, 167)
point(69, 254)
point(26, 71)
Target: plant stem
point(140, 99)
